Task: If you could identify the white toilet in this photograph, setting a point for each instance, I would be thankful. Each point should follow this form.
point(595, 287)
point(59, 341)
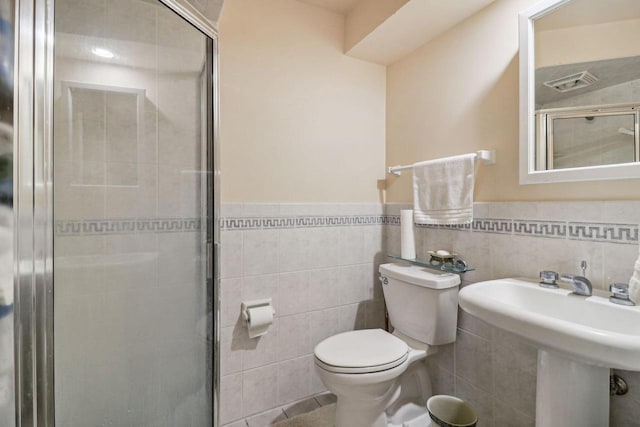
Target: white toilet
point(381, 379)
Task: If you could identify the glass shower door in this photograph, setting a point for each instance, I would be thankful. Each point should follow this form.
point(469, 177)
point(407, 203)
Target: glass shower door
point(7, 400)
point(131, 148)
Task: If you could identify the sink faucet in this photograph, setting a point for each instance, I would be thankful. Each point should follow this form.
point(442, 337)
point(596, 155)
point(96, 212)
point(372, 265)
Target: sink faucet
point(581, 285)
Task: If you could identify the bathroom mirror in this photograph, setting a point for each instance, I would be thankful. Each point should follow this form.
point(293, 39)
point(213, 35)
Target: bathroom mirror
point(580, 91)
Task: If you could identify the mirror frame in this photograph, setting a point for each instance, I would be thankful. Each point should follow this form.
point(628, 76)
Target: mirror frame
point(527, 167)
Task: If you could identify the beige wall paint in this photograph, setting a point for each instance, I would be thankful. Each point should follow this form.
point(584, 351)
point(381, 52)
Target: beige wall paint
point(300, 121)
point(458, 94)
point(588, 43)
point(365, 17)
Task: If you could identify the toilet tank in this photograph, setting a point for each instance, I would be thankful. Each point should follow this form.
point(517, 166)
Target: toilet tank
point(422, 303)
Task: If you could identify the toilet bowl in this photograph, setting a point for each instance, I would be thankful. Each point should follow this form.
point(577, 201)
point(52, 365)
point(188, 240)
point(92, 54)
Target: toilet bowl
point(363, 369)
point(381, 379)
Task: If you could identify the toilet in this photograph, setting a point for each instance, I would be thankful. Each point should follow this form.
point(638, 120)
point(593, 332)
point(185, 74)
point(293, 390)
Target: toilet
point(381, 379)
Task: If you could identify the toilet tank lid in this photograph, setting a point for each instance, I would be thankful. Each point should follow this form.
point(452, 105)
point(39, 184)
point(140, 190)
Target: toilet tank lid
point(420, 276)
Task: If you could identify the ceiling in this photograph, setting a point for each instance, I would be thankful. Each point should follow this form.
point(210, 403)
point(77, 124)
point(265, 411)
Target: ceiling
point(610, 72)
point(589, 12)
point(340, 6)
point(411, 26)
point(404, 29)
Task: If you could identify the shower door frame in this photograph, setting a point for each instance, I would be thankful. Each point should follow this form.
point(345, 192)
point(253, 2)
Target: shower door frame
point(33, 207)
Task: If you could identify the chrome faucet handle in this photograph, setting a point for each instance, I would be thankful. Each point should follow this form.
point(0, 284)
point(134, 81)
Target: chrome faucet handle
point(620, 294)
point(581, 285)
point(548, 279)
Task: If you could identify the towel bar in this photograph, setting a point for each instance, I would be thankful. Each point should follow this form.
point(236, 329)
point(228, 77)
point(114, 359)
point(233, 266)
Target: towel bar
point(488, 157)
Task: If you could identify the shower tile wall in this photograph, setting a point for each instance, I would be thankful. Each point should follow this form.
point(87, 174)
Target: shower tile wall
point(575, 139)
point(130, 296)
point(623, 93)
point(319, 264)
point(494, 369)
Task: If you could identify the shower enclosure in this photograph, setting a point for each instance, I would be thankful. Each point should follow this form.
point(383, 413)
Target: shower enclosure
point(115, 264)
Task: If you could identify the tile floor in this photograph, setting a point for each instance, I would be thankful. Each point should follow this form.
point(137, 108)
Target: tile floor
point(316, 411)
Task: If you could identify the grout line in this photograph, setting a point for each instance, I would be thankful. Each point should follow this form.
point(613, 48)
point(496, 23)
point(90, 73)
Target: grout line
point(474, 334)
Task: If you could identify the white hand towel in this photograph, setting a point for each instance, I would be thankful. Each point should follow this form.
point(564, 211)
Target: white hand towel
point(634, 282)
point(443, 190)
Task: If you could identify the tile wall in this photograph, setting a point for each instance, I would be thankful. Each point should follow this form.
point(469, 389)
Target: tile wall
point(493, 369)
point(319, 264)
point(575, 139)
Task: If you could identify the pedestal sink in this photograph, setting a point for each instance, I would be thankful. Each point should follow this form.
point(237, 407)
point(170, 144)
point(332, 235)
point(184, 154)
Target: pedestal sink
point(578, 338)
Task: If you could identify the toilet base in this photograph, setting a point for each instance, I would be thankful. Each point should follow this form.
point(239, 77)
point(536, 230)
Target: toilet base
point(358, 413)
point(397, 401)
point(423, 420)
point(410, 415)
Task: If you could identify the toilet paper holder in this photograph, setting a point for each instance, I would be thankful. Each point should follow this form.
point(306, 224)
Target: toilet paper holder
point(246, 305)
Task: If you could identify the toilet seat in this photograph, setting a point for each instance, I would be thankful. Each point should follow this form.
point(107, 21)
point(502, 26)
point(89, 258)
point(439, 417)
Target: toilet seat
point(361, 352)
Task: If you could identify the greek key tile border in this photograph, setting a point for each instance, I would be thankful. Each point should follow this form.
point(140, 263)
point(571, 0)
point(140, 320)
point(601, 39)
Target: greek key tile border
point(627, 234)
point(490, 225)
point(91, 227)
point(602, 232)
point(243, 223)
point(453, 226)
point(550, 229)
point(586, 231)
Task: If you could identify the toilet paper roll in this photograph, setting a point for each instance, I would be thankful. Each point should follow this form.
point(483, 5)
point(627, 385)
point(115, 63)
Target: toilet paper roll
point(260, 318)
point(407, 240)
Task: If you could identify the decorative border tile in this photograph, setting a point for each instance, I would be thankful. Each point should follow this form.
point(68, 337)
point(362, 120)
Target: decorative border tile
point(603, 232)
point(458, 226)
point(395, 220)
point(241, 223)
point(391, 219)
point(489, 225)
point(90, 227)
point(549, 229)
point(599, 232)
point(301, 222)
point(595, 232)
point(448, 226)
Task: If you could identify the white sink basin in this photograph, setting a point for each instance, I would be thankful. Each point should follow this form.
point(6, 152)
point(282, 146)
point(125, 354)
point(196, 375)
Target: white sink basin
point(590, 329)
point(579, 338)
